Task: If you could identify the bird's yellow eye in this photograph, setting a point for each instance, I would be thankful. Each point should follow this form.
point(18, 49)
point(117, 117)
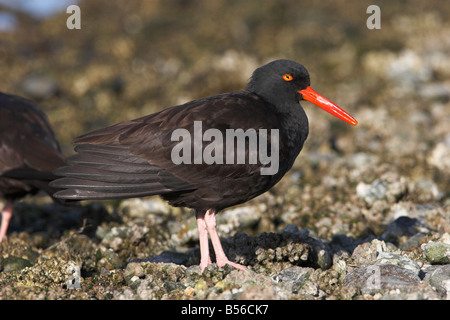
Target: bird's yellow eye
point(288, 77)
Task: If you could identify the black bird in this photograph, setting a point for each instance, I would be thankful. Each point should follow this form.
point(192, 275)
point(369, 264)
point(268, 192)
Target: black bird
point(145, 156)
point(29, 152)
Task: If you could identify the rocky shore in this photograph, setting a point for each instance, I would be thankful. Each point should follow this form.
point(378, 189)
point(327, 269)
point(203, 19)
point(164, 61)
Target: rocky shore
point(363, 214)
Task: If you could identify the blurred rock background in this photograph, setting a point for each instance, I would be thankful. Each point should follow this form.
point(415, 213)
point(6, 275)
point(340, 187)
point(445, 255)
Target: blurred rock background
point(349, 186)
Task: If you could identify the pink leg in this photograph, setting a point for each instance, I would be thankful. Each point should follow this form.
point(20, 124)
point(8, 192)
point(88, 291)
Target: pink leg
point(203, 238)
point(6, 216)
point(221, 258)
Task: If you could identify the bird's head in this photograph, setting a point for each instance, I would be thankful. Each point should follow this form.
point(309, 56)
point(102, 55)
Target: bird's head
point(284, 82)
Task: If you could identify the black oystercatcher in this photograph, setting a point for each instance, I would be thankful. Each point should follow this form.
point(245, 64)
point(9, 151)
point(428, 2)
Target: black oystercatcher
point(29, 152)
point(148, 156)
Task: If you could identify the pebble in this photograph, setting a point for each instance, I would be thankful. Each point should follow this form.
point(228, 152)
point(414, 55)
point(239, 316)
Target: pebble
point(440, 155)
point(390, 187)
point(435, 91)
point(408, 68)
point(113, 259)
point(39, 86)
point(366, 253)
point(427, 190)
point(13, 263)
point(372, 279)
point(398, 260)
point(298, 280)
point(138, 207)
point(439, 278)
point(257, 286)
point(436, 252)
point(372, 192)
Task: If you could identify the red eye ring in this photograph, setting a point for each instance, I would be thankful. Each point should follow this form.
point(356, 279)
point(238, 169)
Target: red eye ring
point(288, 77)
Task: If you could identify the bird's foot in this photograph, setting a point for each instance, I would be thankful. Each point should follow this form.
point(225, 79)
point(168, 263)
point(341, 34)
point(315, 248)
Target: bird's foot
point(233, 264)
point(206, 223)
point(221, 264)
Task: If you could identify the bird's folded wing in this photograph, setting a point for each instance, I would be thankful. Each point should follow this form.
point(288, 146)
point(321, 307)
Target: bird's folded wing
point(112, 172)
point(133, 158)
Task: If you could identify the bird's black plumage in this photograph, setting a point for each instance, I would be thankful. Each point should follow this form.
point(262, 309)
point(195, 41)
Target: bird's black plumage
point(133, 158)
point(29, 152)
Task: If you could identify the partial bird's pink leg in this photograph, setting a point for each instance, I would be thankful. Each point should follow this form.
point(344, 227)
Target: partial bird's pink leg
point(6, 216)
point(221, 258)
point(203, 238)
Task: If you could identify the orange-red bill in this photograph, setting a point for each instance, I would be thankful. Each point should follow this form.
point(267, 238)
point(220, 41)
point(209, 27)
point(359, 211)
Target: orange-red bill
point(322, 102)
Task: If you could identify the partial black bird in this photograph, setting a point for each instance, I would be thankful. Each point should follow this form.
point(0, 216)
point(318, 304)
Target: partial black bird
point(29, 152)
point(148, 156)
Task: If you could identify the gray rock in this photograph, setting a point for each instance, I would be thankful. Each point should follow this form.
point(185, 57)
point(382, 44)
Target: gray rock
point(114, 239)
point(440, 155)
point(257, 286)
point(293, 275)
point(437, 252)
point(427, 190)
point(367, 253)
point(413, 242)
point(398, 260)
point(116, 232)
point(372, 192)
point(377, 253)
point(134, 270)
point(420, 211)
point(39, 86)
point(298, 280)
point(439, 278)
point(145, 290)
point(440, 90)
point(373, 279)
point(390, 187)
point(407, 70)
point(422, 291)
point(13, 263)
point(363, 161)
point(113, 259)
